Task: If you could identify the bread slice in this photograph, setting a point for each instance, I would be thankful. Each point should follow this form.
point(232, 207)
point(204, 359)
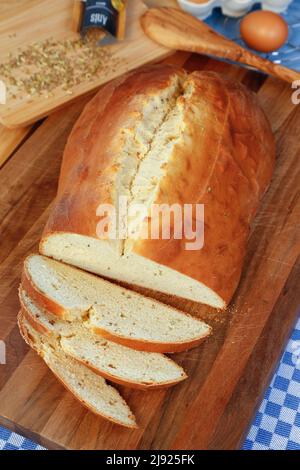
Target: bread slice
point(90, 389)
point(116, 313)
point(120, 364)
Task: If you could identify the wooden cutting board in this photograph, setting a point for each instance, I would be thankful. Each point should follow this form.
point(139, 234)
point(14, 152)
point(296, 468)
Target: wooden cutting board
point(10, 139)
point(37, 20)
point(228, 374)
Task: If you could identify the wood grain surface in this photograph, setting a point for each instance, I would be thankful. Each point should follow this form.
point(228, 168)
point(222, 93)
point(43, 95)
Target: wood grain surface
point(229, 373)
point(10, 139)
point(36, 21)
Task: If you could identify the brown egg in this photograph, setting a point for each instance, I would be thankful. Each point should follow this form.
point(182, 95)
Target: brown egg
point(264, 31)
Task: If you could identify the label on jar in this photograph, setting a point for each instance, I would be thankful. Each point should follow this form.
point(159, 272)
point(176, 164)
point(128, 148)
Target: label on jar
point(108, 15)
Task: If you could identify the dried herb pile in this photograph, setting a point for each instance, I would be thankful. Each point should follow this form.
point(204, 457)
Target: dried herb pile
point(43, 66)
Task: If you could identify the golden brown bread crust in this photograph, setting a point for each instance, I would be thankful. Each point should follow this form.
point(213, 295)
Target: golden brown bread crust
point(25, 334)
point(147, 346)
point(32, 320)
point(227, 166)
point(28, 285)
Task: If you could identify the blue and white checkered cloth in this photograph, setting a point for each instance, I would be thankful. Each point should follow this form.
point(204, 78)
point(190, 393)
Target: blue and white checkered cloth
point(276, 425)
point(11, 441)
point(277, 422)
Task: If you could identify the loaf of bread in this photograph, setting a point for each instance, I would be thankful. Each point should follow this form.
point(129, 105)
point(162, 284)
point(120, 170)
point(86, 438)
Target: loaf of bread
point(117, 363)
point(89, 388)
point(162, 136)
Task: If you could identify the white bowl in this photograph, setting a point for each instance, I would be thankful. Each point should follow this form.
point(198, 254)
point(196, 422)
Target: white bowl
point(201, 10)
point(278, 6)
point(235, 8)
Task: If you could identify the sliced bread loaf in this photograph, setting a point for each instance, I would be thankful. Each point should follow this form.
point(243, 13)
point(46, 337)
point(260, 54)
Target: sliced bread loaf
point(90, 389)
point(161, 137)
point(110, 310)
point(137, 369)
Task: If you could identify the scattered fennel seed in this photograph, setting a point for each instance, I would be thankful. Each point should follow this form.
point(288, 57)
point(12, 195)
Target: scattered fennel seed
point(42, 67)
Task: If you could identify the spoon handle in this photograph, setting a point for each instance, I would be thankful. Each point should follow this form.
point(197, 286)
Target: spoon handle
point(269, 67)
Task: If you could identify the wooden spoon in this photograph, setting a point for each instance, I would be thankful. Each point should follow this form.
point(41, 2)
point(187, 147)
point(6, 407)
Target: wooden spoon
point(176, 29)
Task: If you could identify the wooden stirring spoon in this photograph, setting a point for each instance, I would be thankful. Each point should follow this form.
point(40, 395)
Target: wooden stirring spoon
point(176, 29)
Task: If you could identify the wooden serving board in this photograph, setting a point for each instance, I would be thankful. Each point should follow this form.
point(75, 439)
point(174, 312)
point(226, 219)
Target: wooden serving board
point(10, 139)
point(37, 20)
point(228, 374)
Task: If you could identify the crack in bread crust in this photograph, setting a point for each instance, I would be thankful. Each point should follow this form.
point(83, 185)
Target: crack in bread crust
point(138, 146)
